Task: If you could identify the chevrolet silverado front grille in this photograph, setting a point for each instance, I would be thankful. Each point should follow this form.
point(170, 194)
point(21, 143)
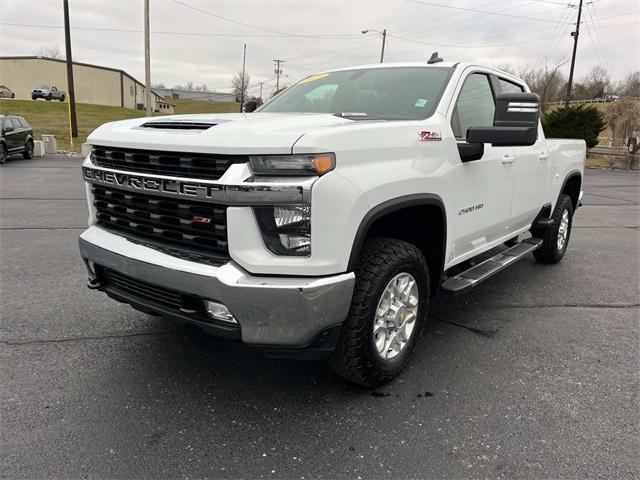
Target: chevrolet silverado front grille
point(204, 166)
point(179, 227)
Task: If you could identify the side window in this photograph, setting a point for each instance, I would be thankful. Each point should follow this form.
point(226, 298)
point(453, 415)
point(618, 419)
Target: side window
point(16, 124)
point(24, 123)
point(509, 87)
point(7, 123)
point(475, 106)
point(54, 89)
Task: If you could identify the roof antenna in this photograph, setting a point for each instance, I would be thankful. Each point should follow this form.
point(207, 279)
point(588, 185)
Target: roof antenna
point(434, 58)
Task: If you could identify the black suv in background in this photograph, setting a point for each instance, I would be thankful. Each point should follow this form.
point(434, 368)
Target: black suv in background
point(16, 136)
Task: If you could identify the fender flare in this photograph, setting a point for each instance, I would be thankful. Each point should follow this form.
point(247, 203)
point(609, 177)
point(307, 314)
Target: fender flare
point(570, 175)
point(390, 206)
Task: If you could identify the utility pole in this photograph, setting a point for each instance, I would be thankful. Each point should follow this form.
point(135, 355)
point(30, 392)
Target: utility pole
point(73, 121)
point(278, 72)
point(244, 59)
point(147, 62)
point(573, 57)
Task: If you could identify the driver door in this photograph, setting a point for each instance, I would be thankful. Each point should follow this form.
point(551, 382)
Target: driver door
point(482, 189)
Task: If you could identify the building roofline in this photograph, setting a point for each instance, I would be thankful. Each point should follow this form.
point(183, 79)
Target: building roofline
point(82, 64)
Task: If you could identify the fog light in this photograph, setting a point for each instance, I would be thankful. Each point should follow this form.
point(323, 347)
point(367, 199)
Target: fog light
point(219, 311)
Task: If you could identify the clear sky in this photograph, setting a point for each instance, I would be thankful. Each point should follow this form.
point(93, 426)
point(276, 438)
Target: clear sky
point(201, 40)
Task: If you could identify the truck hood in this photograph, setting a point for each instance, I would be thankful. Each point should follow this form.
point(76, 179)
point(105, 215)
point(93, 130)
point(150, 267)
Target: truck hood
point(236, 133)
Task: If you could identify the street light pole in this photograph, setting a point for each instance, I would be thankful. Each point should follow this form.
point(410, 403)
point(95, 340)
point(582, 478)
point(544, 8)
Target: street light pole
point(384, 40)
point(147, 62)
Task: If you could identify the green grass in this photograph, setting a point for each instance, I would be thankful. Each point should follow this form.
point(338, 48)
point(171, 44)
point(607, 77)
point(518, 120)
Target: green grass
point(52, 118)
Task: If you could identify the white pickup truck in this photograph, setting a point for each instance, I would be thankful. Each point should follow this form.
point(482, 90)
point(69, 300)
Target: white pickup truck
point(320, 225)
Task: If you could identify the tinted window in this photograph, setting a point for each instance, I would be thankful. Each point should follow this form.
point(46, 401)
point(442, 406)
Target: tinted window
point(475, 106)
point(16, 123)
point(23, 122)
point(394, 93)
point(509, 87)
point(7, 122)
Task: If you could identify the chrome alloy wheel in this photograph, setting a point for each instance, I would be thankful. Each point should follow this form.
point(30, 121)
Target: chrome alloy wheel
point(563, 230)
point(396, 316)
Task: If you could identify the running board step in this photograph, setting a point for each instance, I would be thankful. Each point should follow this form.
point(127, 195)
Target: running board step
point(472, 277)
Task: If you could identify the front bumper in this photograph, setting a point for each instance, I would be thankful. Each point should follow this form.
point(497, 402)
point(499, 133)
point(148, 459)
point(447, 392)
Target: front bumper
point(275, 312)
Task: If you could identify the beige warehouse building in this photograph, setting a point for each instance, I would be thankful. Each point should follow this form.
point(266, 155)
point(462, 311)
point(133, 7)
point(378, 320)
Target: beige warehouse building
point(93, 83)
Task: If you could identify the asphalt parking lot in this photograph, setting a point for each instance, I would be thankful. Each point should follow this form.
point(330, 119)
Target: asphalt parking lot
point(532, 375)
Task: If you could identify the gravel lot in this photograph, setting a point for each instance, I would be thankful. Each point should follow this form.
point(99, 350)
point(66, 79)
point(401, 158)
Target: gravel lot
point(532, 375)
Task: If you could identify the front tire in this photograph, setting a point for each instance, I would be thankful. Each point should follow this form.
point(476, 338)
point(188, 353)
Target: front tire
point(388, 310)
point(556, 239)
point(28, 150)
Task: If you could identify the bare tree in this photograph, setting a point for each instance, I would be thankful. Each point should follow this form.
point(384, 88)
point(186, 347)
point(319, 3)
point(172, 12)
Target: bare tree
point(240, 85)
point(596, 83)
point(546, 81)
point(623, 117)
point(49, 51)
point(630, 85)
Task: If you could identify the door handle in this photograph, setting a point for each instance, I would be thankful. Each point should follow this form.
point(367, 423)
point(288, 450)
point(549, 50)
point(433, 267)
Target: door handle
point(508, 159)
point(543, 157)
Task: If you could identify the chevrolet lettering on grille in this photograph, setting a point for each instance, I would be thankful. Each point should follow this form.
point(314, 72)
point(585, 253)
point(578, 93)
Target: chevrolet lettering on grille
point(151, 185)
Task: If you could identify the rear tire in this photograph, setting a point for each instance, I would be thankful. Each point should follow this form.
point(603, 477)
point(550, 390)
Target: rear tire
point(386, 314)
point(3, 153)
point(28, 150)
point(556, 239)
point(62, 98)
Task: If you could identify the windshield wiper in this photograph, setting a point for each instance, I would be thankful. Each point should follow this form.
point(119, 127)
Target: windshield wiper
point(354, 115)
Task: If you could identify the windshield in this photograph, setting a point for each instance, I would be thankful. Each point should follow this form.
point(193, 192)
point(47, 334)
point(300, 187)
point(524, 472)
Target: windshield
point(395, 93)
point(43, 87)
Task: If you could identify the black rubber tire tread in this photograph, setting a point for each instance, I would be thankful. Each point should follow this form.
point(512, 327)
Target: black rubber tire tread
point(548, 252)
point(27, 154)
point(380, 260)
point(3, 153)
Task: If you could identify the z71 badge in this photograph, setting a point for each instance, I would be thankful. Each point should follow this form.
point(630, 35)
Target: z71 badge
point(426, 136)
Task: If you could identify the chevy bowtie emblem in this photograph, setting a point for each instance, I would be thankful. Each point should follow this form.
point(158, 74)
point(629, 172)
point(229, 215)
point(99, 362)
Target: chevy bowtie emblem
point(426, 136)
point(198, 219)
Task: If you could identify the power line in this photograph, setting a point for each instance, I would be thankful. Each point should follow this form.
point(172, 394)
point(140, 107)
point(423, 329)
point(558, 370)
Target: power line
point(433, 4)
point(238, 22)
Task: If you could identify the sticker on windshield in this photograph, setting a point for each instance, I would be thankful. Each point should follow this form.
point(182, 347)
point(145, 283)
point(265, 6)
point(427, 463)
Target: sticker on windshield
point(421, 102)
point(313, 78)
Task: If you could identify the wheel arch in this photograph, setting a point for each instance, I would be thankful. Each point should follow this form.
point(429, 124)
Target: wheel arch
point(389, 219)
point(571, 186)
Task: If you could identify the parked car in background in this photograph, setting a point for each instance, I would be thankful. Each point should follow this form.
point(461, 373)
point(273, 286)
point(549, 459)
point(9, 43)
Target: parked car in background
point(6, 92)
point(633, 141)
point(16, 136)
point(612, 98)
point(48, 92)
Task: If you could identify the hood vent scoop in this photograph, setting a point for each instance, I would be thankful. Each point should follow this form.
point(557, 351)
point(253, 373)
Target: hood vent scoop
point(176, 125)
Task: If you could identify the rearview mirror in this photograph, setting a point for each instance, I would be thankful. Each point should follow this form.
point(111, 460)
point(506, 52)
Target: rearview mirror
point(250, 106)
point(515, 122)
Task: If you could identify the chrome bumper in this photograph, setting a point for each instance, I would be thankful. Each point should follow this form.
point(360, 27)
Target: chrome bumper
point(271, 311)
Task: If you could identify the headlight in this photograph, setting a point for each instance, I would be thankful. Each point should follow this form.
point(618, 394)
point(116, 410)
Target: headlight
point(311, 164)
point(286, 230)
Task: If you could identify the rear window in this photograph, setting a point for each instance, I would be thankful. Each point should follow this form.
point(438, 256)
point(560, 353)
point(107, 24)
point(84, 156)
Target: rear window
point(23, 122)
